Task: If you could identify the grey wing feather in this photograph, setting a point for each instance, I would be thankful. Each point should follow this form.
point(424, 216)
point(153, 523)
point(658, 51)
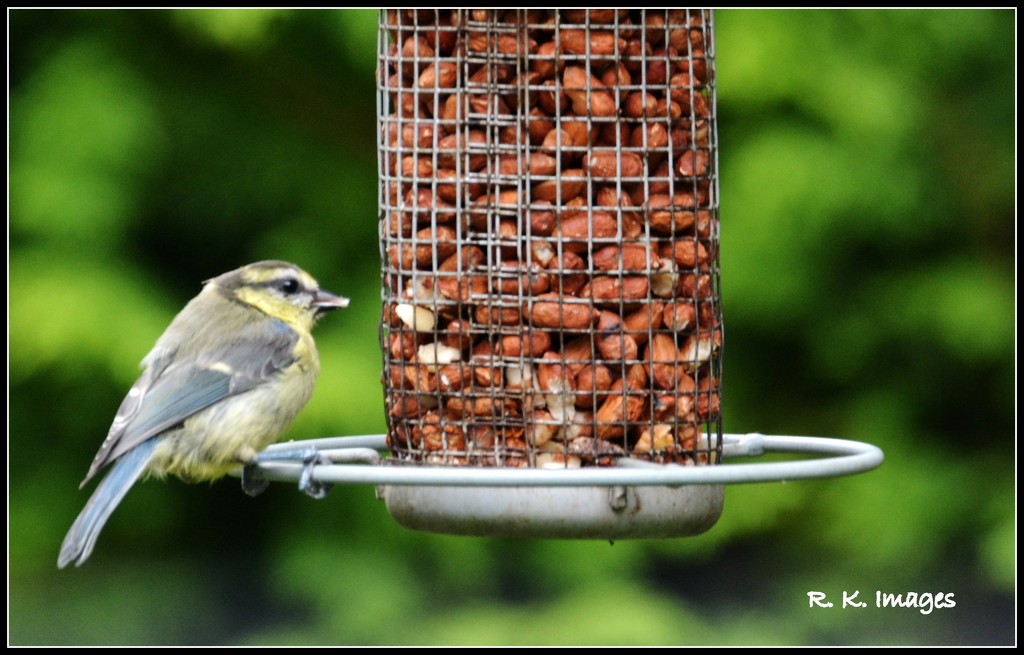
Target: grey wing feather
point(165, 395)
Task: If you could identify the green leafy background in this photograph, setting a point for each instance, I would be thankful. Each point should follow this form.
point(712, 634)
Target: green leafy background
point(868, 242)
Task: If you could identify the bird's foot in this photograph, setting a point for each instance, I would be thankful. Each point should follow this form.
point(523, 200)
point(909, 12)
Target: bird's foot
point(307, 484)
point(253, 481)
point(310, 457)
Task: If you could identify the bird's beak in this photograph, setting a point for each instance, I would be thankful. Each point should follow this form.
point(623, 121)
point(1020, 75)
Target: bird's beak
point(326, 301)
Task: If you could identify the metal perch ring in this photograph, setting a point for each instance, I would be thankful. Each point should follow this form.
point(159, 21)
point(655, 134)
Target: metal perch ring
point(633, 499)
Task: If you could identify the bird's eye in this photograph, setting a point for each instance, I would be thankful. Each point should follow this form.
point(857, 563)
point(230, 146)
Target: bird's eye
point(290, 285)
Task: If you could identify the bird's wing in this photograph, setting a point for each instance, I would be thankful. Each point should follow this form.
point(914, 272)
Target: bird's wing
point(173, 389)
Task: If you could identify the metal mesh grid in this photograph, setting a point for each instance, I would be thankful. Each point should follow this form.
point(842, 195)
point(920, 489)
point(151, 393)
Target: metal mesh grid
point(549, 236)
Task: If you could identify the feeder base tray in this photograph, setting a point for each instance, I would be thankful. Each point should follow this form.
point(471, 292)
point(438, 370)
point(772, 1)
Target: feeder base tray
point(600, 512)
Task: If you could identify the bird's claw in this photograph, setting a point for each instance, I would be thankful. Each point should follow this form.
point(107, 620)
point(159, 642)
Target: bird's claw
point(307, 484)
point(310, 457)
point(253, 481)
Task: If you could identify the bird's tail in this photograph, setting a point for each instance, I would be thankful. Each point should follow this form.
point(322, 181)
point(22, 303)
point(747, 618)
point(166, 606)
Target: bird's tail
point(81, 538)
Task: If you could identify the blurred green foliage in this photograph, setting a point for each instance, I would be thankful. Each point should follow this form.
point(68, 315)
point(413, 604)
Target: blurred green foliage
point(868, 239)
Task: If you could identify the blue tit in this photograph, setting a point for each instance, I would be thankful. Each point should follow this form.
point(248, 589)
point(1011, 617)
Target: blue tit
point(223, 382)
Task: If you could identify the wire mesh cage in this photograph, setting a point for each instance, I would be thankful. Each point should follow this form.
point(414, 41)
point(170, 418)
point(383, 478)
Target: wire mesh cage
point(549, 237)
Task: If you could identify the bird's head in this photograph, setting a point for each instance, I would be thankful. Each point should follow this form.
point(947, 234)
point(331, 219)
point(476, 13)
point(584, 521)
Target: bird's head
point(279, 289)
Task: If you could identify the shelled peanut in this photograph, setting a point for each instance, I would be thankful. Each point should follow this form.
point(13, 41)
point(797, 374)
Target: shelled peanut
point(549, 232)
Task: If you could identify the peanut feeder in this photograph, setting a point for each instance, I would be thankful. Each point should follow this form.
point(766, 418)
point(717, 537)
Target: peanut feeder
point(549, 237)
point(551, 326)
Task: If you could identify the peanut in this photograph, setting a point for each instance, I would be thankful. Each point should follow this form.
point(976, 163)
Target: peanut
point(567, 187)
point(531, 343)
point(619, 410)
point(627, 257)
point(440, 75)
point(577, 229)
point(613, 164)
point(603, 288)
point(575, 42)
point(548, 311)
point(588, 96)
point(591, 382)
